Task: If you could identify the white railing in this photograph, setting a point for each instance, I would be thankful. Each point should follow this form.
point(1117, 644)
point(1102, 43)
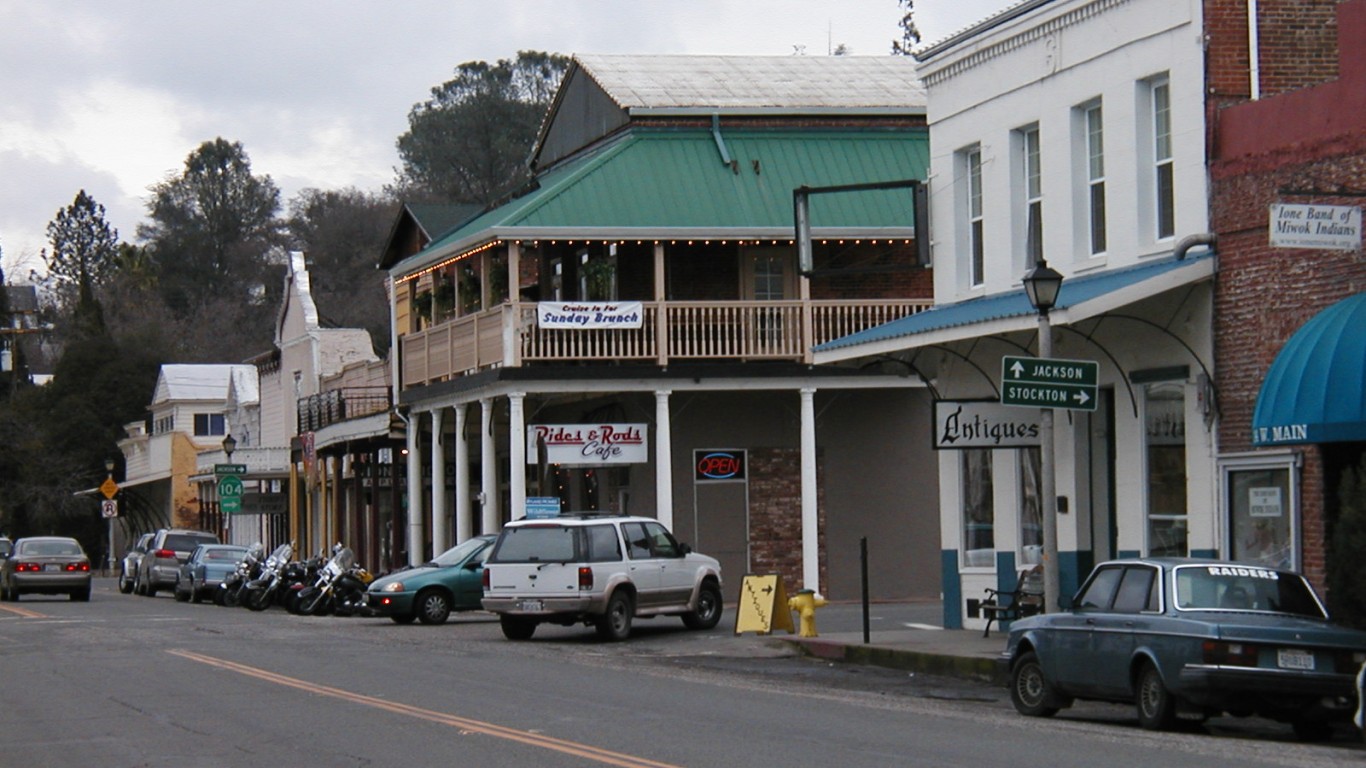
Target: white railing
point(508, 335)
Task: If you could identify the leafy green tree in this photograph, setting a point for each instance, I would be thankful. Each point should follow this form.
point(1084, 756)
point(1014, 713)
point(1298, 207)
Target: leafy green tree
point(910, 34)
point(211, 229)
point(469, 142)
point(342, 232)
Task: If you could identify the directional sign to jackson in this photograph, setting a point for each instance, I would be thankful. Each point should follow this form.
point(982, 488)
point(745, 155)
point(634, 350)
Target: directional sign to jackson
point(230, 487)
point(1048, 383)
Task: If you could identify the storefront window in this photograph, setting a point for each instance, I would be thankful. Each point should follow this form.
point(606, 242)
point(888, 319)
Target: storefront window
point(979, 515)
point(1259, 502)
point(1031, 506)
point(1165, 418)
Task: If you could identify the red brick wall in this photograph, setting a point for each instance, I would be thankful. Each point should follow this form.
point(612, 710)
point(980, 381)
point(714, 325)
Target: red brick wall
point(775, 514)
point(1296, 41)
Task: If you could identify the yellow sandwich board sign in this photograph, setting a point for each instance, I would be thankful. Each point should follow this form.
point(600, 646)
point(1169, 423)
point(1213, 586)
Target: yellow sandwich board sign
point(762, 606)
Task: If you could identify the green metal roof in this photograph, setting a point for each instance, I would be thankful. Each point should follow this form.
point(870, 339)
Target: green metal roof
point(660, 183)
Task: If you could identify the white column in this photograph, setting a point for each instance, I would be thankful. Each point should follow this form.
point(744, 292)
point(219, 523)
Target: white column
point(517, 454)
point(488, 462)
point(664, 474)
point(464, 516)
point(811, 553)
point(415, 528)
point(441, 537)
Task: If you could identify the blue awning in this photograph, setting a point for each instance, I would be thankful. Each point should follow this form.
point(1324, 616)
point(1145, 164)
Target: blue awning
point(1315, 391)
point(1080, 298)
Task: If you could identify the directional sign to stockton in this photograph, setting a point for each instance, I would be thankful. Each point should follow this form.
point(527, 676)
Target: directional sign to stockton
point(229, 487)
point(1049, 383)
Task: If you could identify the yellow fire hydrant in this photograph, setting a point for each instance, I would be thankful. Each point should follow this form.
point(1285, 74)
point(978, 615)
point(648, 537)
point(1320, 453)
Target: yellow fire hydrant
point(805, 602)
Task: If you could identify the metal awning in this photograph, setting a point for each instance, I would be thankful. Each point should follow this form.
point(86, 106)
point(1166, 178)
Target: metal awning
point(1315, 390)
point(1080, 298)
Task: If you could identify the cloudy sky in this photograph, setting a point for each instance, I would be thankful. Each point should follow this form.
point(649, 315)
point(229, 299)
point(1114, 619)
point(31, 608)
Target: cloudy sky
point(111, 97)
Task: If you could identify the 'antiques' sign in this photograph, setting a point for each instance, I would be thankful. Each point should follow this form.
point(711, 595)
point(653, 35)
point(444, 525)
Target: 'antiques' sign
point(588, 444)
point(964, 424)
point(1328, 227)
point(589, 314)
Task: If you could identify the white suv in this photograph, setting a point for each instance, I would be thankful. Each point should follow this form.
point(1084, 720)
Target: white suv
point(598, 570)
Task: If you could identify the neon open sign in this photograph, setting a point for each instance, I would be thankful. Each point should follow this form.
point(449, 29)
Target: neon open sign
point(716, 464)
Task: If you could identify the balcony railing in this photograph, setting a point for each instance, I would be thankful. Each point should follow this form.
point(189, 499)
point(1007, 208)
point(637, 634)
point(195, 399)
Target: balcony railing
point(337, 405)
point(508, 335)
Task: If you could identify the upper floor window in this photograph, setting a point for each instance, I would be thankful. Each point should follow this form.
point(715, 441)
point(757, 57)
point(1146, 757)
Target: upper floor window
point(1095, 177)
point(1162, 159)
point(1032, 175)
point(208, 424)
point(976, 253)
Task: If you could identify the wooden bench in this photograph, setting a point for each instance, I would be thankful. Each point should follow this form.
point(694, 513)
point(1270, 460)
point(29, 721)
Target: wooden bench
point(1026, 599)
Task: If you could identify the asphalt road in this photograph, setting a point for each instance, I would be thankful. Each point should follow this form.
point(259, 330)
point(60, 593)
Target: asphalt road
point(132, 681)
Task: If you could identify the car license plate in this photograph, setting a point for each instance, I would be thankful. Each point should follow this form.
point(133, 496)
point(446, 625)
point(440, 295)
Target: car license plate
point(532, 605)
point(1294, 658)
point(52, 567)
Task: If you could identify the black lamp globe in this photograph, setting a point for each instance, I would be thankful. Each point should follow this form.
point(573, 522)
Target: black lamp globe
point(1042, 284)
point(229, 445)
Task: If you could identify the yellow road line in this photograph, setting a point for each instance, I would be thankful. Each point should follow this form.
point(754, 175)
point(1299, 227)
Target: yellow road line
point(24, 612)
point(585, 751)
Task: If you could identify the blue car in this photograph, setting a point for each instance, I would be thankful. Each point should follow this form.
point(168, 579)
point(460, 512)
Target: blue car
point(1191, 639)
point(205, 569)
point(454, 581)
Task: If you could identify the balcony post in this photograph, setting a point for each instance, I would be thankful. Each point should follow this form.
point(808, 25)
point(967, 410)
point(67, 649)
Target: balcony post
point(516, 454)
point(415, 493)
point(808, 332)
point(440, 529)
point(664, 477)
point(464, 519)
point(661, 312)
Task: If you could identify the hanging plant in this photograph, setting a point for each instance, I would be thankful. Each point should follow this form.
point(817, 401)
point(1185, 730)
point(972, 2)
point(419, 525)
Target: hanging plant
point(469, 290)
point(422, 304)
point(598, 275)
point(444, 298)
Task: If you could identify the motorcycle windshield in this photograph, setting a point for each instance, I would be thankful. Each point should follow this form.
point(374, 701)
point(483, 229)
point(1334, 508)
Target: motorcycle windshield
point(282, 553)
point(345, 558)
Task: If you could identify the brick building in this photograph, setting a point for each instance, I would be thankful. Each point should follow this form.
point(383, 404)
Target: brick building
point(1290, 132)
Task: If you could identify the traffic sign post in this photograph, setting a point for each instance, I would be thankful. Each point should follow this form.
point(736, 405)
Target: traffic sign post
point(1035, 382)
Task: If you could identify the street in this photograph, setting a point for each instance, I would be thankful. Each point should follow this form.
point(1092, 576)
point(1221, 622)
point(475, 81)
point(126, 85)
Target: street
point(132, 681)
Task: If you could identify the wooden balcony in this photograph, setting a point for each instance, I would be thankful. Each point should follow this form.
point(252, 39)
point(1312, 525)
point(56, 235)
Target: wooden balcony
point(508, 335)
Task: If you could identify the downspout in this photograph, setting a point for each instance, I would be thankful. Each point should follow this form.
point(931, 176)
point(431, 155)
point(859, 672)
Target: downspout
point(721, 143)
point(1207, 239)
point(1253, 56)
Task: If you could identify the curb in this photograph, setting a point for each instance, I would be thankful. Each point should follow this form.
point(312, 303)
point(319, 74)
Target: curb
point(980, 669)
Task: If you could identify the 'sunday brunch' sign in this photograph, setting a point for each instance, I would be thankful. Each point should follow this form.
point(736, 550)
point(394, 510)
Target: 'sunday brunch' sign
point(588, 443)
point(589, 314)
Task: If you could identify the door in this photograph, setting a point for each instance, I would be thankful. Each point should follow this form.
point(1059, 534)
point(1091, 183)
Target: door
point(769, 274)
point(721, 527)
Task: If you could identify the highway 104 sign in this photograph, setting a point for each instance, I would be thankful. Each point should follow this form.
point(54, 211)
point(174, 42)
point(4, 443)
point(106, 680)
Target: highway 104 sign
point(1036, 382)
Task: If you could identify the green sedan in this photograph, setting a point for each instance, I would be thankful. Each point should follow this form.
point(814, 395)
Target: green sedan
point(454, 581)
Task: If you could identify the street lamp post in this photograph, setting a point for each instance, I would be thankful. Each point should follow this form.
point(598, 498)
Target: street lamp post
point(1042, 284)
point(229, 445)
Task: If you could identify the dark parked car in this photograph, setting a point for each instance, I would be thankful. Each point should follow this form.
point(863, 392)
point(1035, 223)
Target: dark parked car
point(454, 581)
point(1190, 638)
point(168, 550)
point(6, 546)
point(128, 567)
point(45, 565)
point(206, 569)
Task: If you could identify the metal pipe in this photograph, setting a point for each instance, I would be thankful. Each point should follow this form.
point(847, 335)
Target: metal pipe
point(1208, 239)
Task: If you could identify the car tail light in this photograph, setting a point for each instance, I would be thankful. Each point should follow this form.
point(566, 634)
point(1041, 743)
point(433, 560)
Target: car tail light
point(1230, 654)
point(78, 566)
point(22, 567)
point(585, 577)
point(164, 553)
point(485, 578)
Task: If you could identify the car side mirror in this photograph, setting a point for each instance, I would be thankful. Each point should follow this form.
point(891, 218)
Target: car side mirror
point(684, 549)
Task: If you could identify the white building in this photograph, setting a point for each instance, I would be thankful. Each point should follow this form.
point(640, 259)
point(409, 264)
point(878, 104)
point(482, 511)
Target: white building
point(1071, 131)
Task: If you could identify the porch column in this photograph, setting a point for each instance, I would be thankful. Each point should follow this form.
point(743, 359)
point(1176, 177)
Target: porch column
point(415, 527)
point(514, 272)
point(488, 462)
point(464, 517)
point(661, 316)
point(664, 474)
point(811, 570)
point(440, 529)
point(516, 454)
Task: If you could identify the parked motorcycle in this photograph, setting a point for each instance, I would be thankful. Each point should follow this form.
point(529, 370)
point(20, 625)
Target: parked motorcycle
point(229, 592)
point(299, 576)
point(339, 589)
point(265, 589)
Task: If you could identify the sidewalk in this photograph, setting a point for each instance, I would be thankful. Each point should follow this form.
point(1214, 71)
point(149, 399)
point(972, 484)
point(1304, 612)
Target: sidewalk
point(902, 636)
